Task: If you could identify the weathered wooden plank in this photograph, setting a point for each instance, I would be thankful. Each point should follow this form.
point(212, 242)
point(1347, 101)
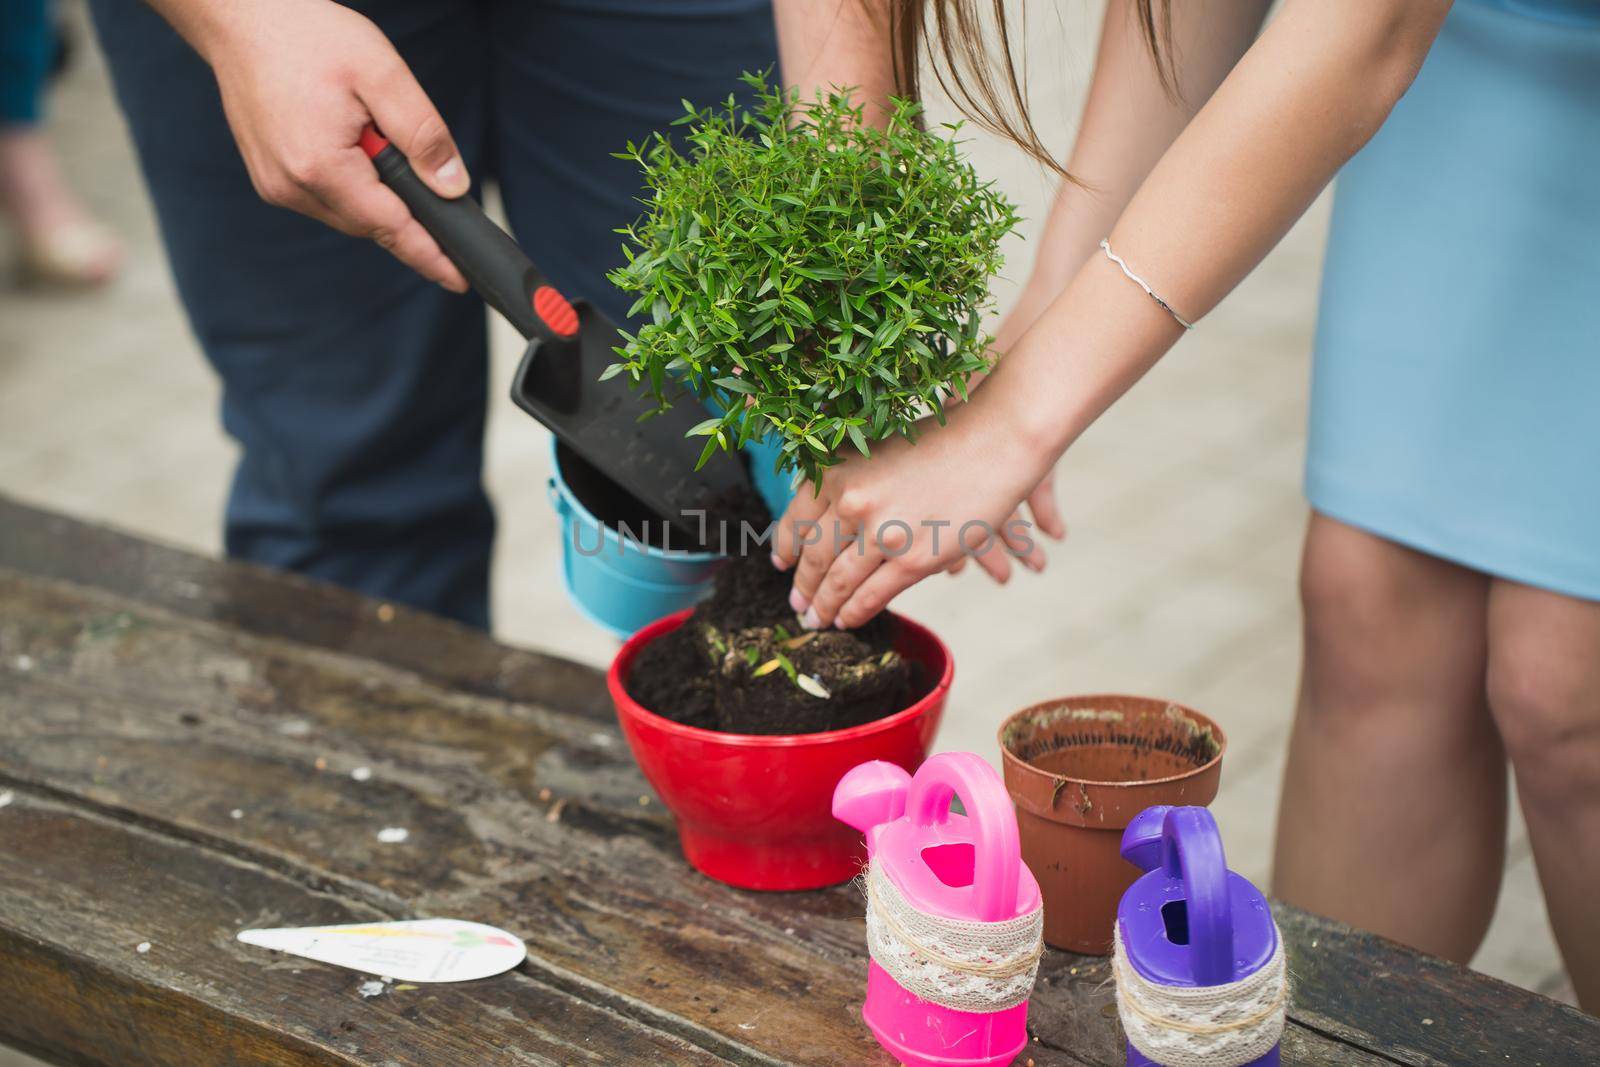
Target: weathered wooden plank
point(122, 693)
point(277, 604)
point(1420, 1010)
point(111, 711)
point(79, 893)
point(1074, 1007)
point(224, 680)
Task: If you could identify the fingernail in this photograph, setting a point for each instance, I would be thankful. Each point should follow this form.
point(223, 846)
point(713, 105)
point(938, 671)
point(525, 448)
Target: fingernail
point(838, 623)
point(453, 176)
point(779, 562)
point(798, 602)
point(810, 620)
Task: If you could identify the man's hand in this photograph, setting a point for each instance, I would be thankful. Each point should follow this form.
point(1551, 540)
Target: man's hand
point(300, 79)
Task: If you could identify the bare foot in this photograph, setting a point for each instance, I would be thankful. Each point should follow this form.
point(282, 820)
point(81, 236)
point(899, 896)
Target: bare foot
point(61, 243)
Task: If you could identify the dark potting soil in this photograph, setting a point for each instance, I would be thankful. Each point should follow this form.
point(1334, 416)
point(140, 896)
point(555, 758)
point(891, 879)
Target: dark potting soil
point(668, 673)
point(637, 521)
point(743, 664)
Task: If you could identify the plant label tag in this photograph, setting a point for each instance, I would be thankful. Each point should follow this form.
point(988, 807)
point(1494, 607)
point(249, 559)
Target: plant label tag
point(417, 950)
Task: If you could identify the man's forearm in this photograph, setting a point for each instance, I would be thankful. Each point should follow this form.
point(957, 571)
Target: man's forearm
point(203, 23)
point(209, 25)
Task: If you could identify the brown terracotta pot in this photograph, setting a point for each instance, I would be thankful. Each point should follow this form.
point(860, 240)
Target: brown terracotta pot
point(1078, 770)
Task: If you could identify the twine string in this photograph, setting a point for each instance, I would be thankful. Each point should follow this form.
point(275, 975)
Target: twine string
point(1224, 1025)
point(966, 965)
point(1169, 1023)
point(999, 969)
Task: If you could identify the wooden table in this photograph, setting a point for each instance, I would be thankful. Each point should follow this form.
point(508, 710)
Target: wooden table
point(176, 742)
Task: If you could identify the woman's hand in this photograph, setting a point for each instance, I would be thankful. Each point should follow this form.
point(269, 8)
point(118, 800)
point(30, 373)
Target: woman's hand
point(880, 525)
point(300, 80)
point(1046, 514)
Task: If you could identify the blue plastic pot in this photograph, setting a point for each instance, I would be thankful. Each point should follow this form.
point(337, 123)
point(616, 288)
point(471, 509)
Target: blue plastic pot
point(621, 585)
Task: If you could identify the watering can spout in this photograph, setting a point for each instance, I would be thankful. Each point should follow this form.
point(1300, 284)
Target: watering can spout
point(1141, 841)
point(870, 795)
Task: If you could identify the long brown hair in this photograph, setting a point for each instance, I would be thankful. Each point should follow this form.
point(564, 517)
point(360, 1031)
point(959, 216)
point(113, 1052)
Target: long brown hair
point(992, 90)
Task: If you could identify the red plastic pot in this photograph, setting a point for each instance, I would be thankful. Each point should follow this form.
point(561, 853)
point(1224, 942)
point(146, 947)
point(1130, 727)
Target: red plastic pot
point(756, 811)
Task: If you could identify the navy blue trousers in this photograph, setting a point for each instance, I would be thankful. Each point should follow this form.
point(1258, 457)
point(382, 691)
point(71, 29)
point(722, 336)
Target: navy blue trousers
point(356, 389)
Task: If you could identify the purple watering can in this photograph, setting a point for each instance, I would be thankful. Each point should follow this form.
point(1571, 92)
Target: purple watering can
point(954, 917)
point(1198, 959)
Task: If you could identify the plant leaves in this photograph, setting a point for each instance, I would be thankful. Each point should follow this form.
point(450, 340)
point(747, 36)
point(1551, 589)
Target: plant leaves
point(841, 266)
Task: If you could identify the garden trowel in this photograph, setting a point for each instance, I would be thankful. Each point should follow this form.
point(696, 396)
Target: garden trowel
point(569, 345)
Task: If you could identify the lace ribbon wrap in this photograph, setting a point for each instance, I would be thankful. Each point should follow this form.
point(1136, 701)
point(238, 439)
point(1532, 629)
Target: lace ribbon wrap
point(1202, 1026)
point(962, 965)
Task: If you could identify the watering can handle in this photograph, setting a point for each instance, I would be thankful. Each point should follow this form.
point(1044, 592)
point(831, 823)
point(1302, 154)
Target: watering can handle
point(1191, 850)
point(1186, 844)
point(998, 850)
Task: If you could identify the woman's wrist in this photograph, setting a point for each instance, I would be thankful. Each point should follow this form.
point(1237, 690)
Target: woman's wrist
point(1030, 424)
point(1090, 344)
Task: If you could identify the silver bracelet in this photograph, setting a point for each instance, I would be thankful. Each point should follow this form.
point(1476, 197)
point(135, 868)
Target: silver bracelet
point(1105, 246)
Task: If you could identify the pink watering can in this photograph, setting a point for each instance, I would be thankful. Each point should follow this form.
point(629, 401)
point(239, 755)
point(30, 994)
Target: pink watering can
point(954, 918)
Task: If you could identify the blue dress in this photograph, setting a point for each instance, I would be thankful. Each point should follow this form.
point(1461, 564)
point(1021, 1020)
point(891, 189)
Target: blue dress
point(1456, 383)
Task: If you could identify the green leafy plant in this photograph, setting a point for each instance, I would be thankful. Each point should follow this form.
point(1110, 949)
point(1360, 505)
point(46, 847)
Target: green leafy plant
point(808, 274)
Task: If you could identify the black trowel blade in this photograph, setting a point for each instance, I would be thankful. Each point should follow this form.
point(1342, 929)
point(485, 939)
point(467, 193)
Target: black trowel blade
point(559, 384)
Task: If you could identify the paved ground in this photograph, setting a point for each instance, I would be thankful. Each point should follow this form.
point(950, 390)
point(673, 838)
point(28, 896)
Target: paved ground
point(1178, 579)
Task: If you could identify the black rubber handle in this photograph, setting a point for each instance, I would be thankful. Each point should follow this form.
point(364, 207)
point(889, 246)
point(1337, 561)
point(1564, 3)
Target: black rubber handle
point(493, 264)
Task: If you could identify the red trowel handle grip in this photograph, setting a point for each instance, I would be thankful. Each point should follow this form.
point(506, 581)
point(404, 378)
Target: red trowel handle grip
point(484, 253)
